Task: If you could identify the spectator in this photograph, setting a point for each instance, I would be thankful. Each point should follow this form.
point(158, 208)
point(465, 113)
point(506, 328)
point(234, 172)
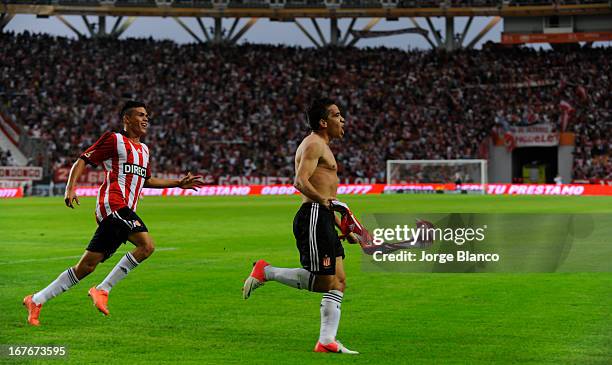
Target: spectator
point(240, 110)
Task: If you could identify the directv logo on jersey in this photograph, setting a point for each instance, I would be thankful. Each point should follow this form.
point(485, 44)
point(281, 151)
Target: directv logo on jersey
point(129, 168)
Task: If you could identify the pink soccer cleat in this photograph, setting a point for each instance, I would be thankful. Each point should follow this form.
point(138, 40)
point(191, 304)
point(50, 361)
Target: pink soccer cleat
point(33, 310)
point(255, 280)
point(334, 347)
point(100, 299)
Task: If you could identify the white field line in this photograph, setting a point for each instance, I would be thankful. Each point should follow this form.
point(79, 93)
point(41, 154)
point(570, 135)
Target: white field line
point(67, 257)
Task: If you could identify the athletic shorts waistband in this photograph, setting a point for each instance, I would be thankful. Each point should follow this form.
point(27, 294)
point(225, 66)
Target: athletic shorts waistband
point(309, 205)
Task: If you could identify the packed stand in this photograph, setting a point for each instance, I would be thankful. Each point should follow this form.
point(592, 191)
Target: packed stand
point(240, 110)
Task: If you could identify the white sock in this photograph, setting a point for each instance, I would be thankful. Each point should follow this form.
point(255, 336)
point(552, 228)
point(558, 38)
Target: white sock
point(330, 316)
point(123, 267)
point(63, 282)
point(295, 278)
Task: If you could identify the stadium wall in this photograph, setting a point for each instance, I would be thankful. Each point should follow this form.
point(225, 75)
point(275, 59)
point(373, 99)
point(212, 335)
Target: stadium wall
point(593, 23)
point(579, 23)
point(566, 159)
point(500, 164)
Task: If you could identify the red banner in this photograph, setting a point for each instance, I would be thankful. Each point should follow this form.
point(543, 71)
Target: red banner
point(21, 173)
point(89, 176)
point(11, 193)
point(545, 189)
point(96, 177)
point(219, 190)
point(593, 181)
point(513, 38)
point(361, 189)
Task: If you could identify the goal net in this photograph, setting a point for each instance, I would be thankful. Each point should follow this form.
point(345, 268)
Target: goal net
point(462, 175)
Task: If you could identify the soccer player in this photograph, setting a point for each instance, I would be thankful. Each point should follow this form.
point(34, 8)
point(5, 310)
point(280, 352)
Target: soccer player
point(126, 163)
point(321, 252)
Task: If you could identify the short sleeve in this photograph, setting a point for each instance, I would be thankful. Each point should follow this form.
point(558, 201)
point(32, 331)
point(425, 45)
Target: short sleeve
point(148, 164)
point(100, 151)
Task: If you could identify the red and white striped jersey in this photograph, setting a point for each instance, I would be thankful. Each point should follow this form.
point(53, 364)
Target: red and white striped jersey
point(126, 164)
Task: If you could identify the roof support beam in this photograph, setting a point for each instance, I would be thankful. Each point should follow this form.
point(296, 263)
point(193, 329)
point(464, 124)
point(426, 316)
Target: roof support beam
point(318, 29)
point(90, 27)
point(465, 31)
point(69, 25)
point(204, 31)
point(307, 34)
point(449, 36)
point(117, 32)
point(348, 31)
point(5, 18)
point(243, 30)
point(116, 25)
point(334, 32)
point(187, 29)
point(368, 26)
point(218, 29)
point(426, 36)
point(233, 28)
point(493, 22)
point(101, 25)
point(434, 31)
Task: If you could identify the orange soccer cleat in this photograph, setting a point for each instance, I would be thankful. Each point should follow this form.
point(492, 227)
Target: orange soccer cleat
point(33, 310)
point(335, 347)
point(100, 299)
point(255, 280)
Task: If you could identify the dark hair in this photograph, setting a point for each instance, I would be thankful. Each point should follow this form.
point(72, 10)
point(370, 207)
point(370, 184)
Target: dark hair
point(318, 111)
point(131, 104)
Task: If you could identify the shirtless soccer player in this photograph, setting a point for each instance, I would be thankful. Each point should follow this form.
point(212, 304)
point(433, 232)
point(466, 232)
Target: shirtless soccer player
point(321, 252)
point(126, 163)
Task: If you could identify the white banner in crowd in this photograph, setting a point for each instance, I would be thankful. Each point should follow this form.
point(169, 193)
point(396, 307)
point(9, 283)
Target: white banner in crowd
point(538, 135)
point(21, 173)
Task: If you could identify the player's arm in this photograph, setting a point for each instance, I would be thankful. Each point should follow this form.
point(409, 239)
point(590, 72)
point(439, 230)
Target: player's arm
point(75, 172)
point(189, 181)
point(98, 152)
point(306, 168)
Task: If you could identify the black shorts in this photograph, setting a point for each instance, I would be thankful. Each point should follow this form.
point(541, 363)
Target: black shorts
point(316, 239)
point(114, 231)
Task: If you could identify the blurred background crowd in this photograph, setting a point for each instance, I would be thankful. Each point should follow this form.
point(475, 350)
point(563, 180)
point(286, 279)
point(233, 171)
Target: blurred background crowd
point(239, 110)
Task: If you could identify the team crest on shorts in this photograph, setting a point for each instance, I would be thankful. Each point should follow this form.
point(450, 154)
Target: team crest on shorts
point(326, 261)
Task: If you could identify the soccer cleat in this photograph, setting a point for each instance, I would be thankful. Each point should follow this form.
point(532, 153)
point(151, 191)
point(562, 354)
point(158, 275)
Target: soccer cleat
point(335, 347)
point(33, 310)
point(255, 280)
point(100, 299)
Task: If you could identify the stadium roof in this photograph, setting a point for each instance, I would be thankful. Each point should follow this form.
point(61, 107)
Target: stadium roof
point(288, 10)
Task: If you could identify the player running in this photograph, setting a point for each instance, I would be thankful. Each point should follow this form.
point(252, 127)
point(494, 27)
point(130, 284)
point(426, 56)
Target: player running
point(126, 163)
point(321, 252)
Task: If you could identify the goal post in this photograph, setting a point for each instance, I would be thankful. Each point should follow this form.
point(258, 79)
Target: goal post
point(472, 173)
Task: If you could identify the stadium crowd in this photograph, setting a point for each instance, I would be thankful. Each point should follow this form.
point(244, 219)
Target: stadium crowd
point(240, 110)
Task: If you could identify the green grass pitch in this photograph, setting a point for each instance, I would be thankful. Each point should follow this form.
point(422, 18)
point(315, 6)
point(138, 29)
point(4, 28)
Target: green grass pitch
point(184, 304)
